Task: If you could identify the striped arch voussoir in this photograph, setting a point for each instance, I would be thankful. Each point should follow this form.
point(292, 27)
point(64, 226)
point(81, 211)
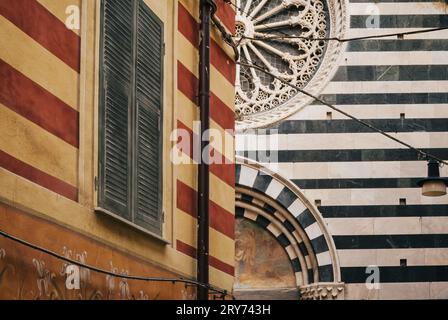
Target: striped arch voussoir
point(277, 205)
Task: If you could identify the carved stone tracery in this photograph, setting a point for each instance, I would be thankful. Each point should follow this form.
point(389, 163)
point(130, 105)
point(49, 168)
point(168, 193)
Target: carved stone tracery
point(267, 35)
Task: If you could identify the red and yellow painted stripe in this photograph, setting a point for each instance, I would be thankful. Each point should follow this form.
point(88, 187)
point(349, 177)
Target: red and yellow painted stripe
point(39, 75)
point(39, 117)
point(222, 181)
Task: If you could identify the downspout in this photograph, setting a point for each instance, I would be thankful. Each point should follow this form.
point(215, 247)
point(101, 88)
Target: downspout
point(207, 9)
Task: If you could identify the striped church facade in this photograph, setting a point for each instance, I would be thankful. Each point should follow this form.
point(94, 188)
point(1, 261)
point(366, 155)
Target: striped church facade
point(49, 154)
point(362, 184)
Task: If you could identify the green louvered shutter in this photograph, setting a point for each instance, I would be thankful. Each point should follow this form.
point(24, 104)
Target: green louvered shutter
point(116, 99)
point(149, 92)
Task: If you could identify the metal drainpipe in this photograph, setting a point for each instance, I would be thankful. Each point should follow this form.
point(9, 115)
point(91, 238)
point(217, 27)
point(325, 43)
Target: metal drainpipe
point(207, 9)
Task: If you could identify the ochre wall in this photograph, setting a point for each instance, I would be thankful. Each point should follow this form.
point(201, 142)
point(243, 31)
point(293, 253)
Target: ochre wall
point(48, 142)
point(26, 273)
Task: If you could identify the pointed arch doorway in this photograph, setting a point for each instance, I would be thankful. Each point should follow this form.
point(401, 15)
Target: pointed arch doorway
point(283, 249)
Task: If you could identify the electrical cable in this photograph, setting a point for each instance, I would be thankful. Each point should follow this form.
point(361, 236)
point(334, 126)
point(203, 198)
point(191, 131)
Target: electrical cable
point(364, 123)
point(287, 36)
point(398, 34)
point(227, 37)
point(234, 45)
point(124, 276)
point(106, 272)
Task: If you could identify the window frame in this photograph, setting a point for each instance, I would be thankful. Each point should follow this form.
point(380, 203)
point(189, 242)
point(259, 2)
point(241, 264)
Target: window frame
point(132, 127)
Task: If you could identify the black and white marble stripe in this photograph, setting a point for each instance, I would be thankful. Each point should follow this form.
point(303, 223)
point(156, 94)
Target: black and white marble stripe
point(400, 86)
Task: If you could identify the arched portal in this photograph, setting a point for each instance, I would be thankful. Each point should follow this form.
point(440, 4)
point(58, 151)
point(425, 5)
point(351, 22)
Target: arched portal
point(274, 205)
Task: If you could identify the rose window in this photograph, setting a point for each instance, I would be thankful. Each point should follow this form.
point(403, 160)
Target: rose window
point(278, 36)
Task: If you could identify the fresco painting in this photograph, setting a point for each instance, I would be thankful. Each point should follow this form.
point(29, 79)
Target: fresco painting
point(260, 260)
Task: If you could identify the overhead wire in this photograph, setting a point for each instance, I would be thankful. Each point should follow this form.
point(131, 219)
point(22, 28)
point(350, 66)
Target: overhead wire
point(224, 293)
point(248, 64)
point(364, 123)
point(378, 36)
point(109, 273)
point(288, 36)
